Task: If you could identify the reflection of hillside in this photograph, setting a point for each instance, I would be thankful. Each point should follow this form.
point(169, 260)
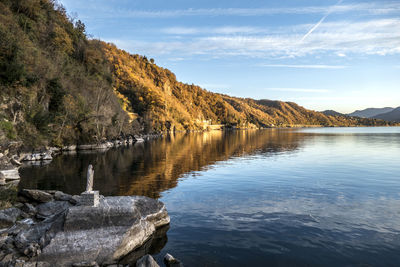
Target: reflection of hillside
point(151, 168)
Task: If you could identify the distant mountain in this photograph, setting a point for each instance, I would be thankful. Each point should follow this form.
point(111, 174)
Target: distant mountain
point(332, 113)
point(393, 115)
point(370, 112)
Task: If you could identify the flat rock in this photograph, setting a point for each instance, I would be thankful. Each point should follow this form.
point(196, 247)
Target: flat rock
point(11, 174)
point(101, 146)
point(106, 233)
point(36, 195)
point(147, 261)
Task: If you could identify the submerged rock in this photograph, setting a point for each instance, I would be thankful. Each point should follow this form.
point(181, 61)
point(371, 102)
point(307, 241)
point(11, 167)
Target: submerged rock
point(106, 233)
point(170, 261)
point(147, 261)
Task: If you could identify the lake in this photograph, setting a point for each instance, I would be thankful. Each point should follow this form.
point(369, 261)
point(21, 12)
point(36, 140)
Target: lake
point(274, 197)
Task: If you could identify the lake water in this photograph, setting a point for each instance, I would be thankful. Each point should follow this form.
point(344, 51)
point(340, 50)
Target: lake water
point(295, 197)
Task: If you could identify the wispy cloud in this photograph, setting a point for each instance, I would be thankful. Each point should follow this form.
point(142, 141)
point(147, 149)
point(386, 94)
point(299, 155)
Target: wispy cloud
point(377, 8)
point(319, 22)
point(299, 90)
point(303, 66)
point(372, 37)
point(214, 30)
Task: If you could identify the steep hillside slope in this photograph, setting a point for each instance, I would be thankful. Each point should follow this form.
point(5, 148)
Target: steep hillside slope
point(55, 84)
point(163, 103)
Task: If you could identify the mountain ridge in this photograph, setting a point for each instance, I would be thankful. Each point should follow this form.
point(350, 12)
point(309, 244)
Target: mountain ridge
point(370, 112)
point(393, 115)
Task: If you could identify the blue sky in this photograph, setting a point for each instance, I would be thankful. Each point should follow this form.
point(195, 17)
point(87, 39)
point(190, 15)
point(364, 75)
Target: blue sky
point(329, 54)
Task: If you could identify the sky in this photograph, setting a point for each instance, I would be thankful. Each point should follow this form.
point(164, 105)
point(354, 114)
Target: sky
point(331, 54)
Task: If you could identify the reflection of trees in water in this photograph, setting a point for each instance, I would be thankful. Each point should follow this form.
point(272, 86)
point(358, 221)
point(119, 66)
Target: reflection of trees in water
point(151, 168)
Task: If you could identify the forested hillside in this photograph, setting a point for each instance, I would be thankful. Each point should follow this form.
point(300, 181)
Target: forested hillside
point(58, 87)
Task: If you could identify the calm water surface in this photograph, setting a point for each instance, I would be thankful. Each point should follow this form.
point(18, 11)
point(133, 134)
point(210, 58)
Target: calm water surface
point(304, 197)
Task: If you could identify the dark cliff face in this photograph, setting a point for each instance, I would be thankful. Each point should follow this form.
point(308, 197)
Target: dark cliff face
point(59, 87)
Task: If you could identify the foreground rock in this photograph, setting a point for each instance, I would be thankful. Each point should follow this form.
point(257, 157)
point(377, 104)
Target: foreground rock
point(53, 229)
point(105, 233)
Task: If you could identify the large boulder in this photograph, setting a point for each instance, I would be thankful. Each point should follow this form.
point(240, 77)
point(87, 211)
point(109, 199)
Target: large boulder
point(106, 233)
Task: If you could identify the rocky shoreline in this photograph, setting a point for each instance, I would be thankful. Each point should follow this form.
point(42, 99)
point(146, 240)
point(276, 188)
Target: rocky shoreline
point(51, 228)
point(11, 157)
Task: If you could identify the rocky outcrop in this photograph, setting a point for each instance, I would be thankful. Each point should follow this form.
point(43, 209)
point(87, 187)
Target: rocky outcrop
point(53, 229)
point(38, 156)
point(105, 233)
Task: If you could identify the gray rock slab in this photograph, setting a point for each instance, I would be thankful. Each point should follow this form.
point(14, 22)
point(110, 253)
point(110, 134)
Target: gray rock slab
point(106, 233)
point(48, 209)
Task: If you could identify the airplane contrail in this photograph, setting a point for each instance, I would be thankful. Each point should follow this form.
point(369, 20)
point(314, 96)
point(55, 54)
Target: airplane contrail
point(319, 22)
